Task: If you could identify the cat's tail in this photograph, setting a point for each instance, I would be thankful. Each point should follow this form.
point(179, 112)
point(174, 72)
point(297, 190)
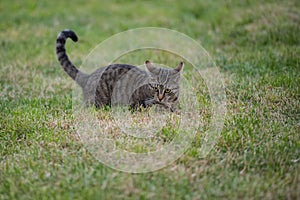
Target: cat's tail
point(63, 58)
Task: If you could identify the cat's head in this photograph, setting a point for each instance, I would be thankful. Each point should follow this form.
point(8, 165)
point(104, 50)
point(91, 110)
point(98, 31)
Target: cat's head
point(165, 84)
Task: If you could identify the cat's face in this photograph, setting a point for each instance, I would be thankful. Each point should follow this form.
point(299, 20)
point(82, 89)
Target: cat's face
point(165, 84)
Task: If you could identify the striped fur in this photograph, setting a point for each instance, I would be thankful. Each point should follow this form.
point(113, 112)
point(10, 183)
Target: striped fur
point(122, 83)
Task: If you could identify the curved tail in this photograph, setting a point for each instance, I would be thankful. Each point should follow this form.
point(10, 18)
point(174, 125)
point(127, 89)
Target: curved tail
point(62, 56)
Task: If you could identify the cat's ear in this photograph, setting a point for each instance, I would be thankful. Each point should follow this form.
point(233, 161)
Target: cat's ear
point(179, 67)
point(149, 66)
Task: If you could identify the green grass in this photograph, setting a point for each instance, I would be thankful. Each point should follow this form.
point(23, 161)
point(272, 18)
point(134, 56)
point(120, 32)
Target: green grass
point(255, 45)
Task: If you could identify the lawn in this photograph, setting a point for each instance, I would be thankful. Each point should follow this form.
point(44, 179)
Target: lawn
point(256, 46)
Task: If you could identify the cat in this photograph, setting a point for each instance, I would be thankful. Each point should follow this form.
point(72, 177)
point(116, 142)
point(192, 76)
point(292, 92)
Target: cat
point(123, 83)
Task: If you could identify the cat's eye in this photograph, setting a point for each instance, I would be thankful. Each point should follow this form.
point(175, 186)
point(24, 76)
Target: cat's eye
point(167, 90)
point(155, 89)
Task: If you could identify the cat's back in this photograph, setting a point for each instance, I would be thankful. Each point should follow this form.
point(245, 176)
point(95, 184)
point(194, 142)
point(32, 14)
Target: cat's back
point(112, 78)
point(116, 71)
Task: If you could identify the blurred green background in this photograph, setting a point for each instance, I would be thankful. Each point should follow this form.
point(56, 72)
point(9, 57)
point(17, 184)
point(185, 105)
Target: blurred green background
point(255, 45)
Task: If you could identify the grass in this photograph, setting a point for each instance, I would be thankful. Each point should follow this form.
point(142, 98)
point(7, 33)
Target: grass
point(256, 47)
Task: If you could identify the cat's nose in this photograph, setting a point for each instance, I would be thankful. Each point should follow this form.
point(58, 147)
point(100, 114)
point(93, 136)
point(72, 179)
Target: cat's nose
point(160, 97)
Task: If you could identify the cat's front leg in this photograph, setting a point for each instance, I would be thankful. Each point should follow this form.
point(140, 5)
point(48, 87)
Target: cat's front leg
point(148, 103)
point(142, 104)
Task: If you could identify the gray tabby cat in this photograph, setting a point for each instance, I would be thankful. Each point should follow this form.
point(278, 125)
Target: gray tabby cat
point(123, 83)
